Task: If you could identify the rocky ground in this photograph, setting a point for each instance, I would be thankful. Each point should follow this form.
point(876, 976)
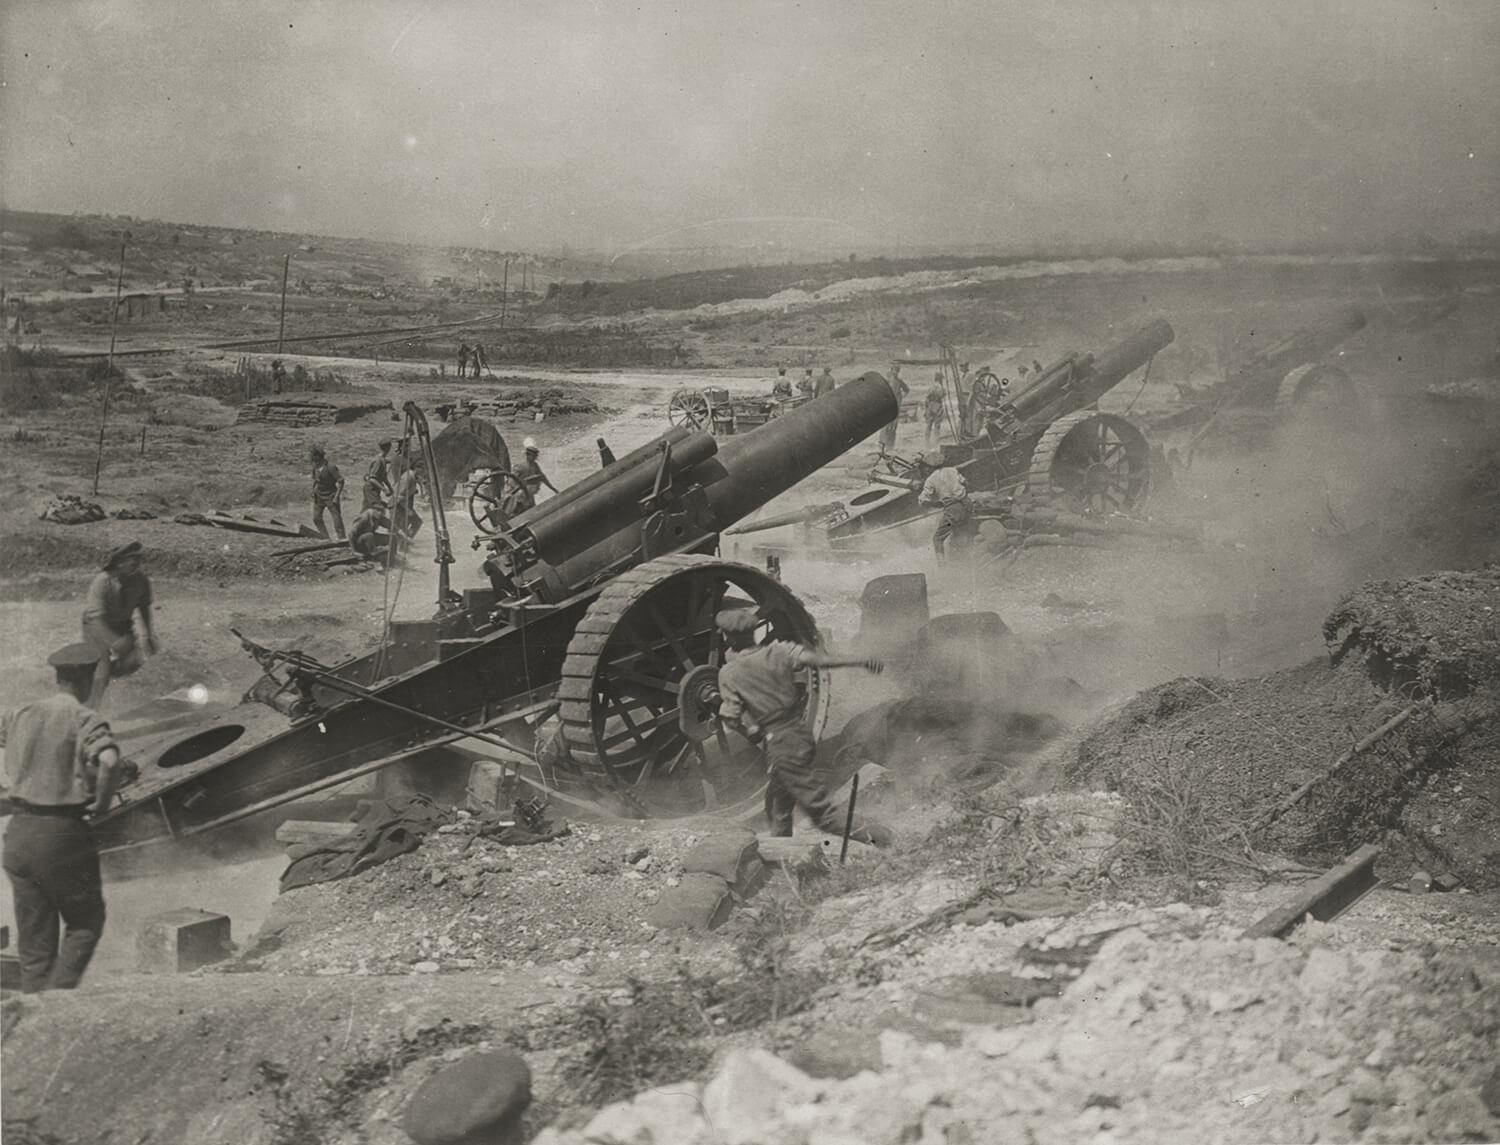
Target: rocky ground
point(1053, 949)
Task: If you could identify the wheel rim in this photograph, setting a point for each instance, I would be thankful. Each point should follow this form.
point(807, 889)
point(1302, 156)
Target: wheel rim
point(621, 692)
point(486, 507)
point(690, 407)
point(1098, 460)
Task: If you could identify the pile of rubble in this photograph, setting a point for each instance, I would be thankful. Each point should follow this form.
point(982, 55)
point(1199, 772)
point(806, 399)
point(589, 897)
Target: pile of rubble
point(306, 411)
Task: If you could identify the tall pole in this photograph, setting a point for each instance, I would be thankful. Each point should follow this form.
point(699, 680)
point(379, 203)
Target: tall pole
point(286, 268)
point(504, 287)
point(109, 371)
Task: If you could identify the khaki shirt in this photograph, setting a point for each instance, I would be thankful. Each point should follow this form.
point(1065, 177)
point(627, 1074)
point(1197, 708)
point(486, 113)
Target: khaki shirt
point(759, 685)
point(114, 600)
point(52, 750)
point(944, 487)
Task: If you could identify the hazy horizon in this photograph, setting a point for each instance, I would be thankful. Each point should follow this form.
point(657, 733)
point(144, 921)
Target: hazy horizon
point(952, 126)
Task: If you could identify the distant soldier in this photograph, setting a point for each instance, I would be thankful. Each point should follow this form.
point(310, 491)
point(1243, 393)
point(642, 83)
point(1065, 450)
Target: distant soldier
point(478, 359)
point(463, 359)
point(377, 484)
point(805, 386)
point(278, 376)
point(760, 696)
point(327, 491)
point(119, 592)
point(946, 487)
point(825, 383)
point(933, 406)
point(783, 386)
point(900, 389)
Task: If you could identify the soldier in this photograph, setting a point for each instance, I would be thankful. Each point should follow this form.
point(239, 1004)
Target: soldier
point(947, 487)
point(760, 696)
point(932, 408)
point(405, 520)
point(478, 359)
point(118, 592)
point(463, 359)
point(377, 483)
point(61, 764)
point(900, 389)
point(530, 470)
point(782, 389)
point(327, 491)
point(365, 537)
point(805, 386)
point(825, 383)
point(278, 376)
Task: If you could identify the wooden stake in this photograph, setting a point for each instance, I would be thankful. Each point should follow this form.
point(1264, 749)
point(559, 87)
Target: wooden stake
point(109, 371)
point(286, 268)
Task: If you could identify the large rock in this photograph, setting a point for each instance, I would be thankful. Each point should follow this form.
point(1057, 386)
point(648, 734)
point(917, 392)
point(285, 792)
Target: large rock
point(475, 1101)
point(732, 855)
point(699, 902)
point(752, 1090)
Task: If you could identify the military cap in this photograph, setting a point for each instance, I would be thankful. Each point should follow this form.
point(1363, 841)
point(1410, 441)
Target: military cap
point(384, 443)
point(133, 549)
point(75, 656)
point(734, 620)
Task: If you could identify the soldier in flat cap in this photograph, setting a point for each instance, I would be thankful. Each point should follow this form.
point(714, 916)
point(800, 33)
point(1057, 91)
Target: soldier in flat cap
point(118, 592)
point(61, 764)
point(759, 694)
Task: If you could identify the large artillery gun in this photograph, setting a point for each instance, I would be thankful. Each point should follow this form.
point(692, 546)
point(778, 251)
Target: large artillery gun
point(1047, 439)
point(599, 623)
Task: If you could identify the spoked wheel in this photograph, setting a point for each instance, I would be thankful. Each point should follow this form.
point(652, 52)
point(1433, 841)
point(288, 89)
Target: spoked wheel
point(639, 668)
point(1317, 390)
point(691, 408)
point(492, 495)
point(1099, 460)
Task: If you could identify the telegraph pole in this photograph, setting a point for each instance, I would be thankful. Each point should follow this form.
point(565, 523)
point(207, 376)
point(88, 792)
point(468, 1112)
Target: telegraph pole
point(109, 371)
point(504, 288)
point(286, 268)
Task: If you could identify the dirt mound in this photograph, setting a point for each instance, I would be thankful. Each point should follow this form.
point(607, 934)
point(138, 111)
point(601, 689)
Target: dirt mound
point(1317, 760)
point(1436, 634)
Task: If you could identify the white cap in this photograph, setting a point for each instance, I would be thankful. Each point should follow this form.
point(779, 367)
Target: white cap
point(529, 443)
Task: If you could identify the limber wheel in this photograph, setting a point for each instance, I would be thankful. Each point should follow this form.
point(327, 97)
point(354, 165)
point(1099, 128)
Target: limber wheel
point(1317, 390)
point(690, 407)
point(1099, 460)
point(644, 640)
point(487, 503)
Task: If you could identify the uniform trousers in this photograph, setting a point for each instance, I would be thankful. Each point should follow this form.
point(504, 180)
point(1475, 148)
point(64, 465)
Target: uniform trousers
point(54, 875)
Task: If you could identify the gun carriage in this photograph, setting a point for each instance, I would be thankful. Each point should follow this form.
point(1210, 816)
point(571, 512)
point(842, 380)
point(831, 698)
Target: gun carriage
point(590, 667)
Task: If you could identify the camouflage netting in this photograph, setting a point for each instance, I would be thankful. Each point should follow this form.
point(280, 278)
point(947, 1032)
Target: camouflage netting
point(1210, 767)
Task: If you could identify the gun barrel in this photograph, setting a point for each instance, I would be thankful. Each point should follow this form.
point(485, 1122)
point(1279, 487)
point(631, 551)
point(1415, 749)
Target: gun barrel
point(1088, 378)
point(790, 517)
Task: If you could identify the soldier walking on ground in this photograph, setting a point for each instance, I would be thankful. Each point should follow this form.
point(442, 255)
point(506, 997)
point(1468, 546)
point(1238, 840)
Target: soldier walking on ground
point(118, 592)
point(327, 491)
point(760, 695)
point(61, 764)
point(825, 383)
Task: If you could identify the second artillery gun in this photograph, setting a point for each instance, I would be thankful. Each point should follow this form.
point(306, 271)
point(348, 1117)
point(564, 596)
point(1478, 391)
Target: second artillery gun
point(1047, 439)
point(601, 627)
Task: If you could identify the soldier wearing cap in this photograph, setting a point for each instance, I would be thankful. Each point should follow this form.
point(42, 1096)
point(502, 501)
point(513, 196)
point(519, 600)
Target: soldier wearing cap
point(61, 763)
point(759, 694)
point(118, 592)
point(529, 470)
point(377, 485)
point(825, 383)
point(327, 491)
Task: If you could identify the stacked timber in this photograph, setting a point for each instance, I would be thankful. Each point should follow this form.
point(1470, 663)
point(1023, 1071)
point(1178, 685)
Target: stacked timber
point(306, 411)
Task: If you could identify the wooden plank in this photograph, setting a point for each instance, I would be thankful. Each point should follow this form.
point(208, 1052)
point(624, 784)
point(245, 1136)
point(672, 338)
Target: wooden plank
point(1325, 898)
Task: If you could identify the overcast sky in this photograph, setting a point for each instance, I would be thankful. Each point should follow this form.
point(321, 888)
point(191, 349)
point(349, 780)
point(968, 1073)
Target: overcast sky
point(523, 125)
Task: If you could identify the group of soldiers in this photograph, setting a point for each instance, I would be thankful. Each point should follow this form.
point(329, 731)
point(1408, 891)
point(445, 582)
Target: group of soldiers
point(471, 358)
point(62, 765)
point(807, 385)
point(387, 499)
